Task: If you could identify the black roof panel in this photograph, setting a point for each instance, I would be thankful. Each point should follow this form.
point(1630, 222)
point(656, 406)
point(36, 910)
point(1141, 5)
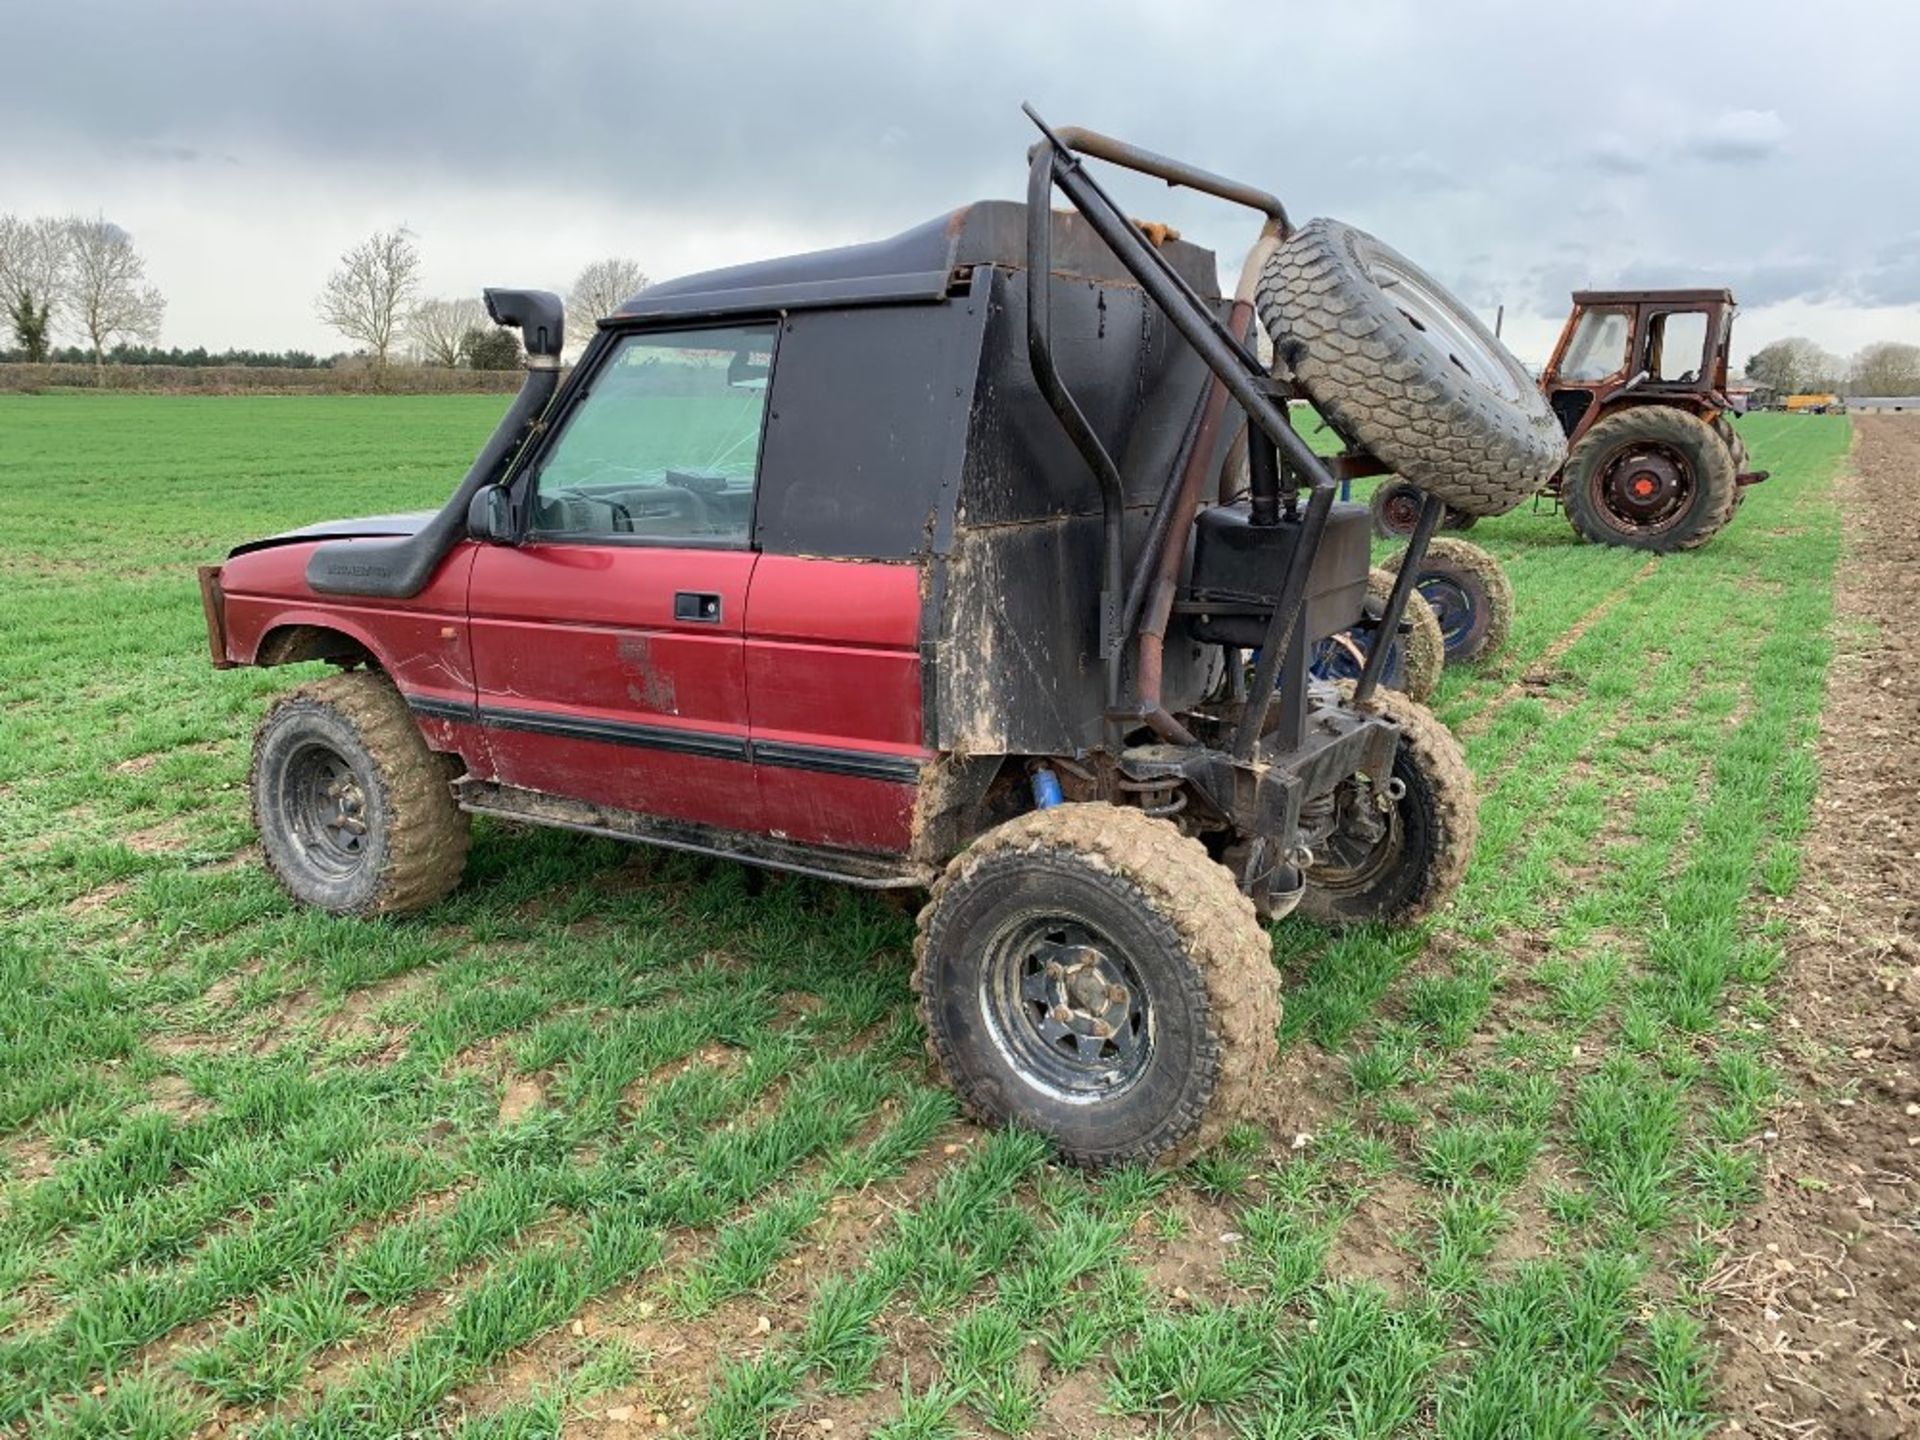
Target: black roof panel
point(916, 264)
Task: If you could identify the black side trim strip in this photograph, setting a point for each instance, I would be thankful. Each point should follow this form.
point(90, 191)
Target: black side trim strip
point(866, 764)
point(862, 764)
point(617, 732)
point(443, 709)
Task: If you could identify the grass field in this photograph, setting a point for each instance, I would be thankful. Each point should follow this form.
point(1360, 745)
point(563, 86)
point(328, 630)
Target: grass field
point(602, 1145)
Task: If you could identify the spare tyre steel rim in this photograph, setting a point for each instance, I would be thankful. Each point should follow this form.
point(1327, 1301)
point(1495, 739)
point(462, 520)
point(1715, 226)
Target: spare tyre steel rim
point(1066, 1009)
point(1442, 326)
point(1647, 488)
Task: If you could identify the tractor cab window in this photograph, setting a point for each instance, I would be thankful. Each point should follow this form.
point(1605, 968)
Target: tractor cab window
point(1598, 348)
point(1677, 347)
point(665, 443)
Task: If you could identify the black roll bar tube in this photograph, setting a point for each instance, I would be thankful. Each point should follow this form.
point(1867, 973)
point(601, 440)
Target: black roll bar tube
point(1432, 508)
point(1071, 417)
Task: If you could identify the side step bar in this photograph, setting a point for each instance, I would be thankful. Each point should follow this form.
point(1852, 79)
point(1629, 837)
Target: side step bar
point(534, 807)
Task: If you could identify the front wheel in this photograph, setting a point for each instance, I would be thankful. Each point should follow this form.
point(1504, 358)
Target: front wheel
point(1091, 973)
point(1395, 507)
point(1393, 851)
point(354, 811)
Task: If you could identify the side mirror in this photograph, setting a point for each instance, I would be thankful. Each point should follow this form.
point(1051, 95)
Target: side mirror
point(490, 516)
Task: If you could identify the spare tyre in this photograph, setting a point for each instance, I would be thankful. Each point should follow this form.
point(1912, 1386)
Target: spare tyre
point(1405, 370)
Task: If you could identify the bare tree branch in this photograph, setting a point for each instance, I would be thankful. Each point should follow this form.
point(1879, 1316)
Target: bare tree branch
point(367, 296)
point(1888, 367)
point(35, 256)
point(598, 291)
point(439, 326)
point(106, 290)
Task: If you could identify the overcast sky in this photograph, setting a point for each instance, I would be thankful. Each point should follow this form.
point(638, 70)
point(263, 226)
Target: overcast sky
point(1511, 148)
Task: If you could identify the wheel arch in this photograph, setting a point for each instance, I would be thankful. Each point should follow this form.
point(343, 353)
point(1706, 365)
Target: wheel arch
point(294, 641)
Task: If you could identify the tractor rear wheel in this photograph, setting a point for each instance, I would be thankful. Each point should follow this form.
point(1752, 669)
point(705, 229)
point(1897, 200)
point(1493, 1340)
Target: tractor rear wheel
point(1650, 478)
point(1397, 850)
point(354, 811)
point(1092, 973)
point(1404, 369)
point(1469, 594)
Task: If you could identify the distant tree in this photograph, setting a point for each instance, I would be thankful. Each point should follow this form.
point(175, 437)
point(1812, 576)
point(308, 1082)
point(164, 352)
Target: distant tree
point(367, 297)
point(597, 292)
point(35, 257)
point(1794, 366)
point(487, 347)
point(31, 326)
point(439, 326)
point(1887, 368)
point(106, 290)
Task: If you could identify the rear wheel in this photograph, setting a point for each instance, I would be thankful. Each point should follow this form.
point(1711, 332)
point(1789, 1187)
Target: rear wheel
point(354, 811)
point(1650, 478)
point(1396, 849)
point(1092, 973)
point(1470, 595)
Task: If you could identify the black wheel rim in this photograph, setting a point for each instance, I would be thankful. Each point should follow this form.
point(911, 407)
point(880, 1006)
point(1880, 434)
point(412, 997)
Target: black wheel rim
point(1364, 845)
point(1066, 1008)
point(325, 804)
point(1453, 606)
point(1644, 488)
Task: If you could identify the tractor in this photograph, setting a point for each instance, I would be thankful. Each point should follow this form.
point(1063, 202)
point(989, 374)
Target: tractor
point(905, 565)
point(1639, 382)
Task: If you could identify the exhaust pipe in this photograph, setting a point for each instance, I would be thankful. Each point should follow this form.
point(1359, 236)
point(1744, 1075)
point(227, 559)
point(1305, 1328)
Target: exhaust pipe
point(397, 569)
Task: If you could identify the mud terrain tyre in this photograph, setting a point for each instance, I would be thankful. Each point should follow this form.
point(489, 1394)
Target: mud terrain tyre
point(1416, 659)
point(354, 811)
point(1469, 594)
point(1091, 973)
point(1650, 478)
point(1397, 867)
point(1395, 507)
point(1405, 370)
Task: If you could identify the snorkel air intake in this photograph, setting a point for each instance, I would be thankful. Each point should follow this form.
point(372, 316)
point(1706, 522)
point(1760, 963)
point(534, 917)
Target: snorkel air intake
point(396, 569)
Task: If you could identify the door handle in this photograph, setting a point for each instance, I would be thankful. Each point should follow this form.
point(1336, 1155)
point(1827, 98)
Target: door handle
point(700, 606)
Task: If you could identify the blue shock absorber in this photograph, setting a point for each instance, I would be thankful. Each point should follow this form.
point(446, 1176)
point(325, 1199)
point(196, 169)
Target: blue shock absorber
point(1046, 789)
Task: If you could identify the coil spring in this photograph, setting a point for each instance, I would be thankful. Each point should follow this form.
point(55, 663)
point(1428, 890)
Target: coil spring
point(1155, 797)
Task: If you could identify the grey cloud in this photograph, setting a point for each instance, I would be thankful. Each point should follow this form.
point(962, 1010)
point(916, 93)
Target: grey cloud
point(1737, 137)
point(1460, 133)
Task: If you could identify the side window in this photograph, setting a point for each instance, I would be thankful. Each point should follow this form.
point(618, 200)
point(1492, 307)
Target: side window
point(1598, 348)
point(665, 444)
point(1679, 346)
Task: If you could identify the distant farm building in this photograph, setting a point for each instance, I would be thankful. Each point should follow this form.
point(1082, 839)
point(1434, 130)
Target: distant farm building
point(1883, 402)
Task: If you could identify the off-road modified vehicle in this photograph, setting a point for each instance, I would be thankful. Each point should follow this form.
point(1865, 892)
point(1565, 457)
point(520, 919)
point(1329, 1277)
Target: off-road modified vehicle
point(896, 564)
point(1639, 382)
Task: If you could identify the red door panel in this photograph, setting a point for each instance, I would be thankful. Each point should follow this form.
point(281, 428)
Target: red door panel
point(590, 685)
point(833, 690)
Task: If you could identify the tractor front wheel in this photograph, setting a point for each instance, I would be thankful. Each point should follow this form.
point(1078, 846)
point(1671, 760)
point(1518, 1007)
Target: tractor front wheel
point(1650, 478)
point(1398, 845)
point(1092, 973)
point(1395, 507)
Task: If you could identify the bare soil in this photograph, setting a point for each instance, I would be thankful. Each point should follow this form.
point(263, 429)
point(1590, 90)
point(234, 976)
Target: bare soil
point(1819, 1305)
